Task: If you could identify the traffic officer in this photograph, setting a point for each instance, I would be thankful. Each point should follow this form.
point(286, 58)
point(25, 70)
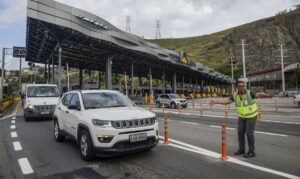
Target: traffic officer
point(247, 110)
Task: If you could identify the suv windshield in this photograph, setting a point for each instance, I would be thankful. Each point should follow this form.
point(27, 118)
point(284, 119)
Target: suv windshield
point(42, 91)
point(174, 96)
point(105, 100)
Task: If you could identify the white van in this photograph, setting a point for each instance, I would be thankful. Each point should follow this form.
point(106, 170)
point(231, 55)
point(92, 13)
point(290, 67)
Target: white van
point(39, 100)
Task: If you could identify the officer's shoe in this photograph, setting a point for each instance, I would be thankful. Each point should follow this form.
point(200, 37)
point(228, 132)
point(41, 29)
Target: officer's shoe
point(239, 152)
point(250, 154)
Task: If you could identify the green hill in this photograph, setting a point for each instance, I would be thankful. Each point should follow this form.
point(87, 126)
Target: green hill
point(262, 38)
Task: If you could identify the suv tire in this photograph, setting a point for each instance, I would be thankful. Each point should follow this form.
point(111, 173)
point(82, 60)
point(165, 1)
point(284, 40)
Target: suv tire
point(58, 136)
point(173, 105)
point(86, 145)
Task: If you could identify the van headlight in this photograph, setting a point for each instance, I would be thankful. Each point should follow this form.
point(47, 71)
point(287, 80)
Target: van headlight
point(30, 106)
point(101, 123)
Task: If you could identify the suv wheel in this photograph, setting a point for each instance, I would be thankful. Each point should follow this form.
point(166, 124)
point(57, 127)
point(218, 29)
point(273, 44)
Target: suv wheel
point(173, 105)
point(158, 104)
point(57, 133)
point(86, 146)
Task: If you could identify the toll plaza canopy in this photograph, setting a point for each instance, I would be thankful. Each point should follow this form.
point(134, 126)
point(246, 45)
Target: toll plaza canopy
point(60, 34)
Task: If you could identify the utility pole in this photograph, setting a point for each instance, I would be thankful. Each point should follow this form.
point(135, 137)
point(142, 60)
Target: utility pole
point(128, 21)
point(244, 64)
point(2, 74)
point(68, 76)
point(20, 75)
point(282, 67)
point(232, 86)
point(157, 25)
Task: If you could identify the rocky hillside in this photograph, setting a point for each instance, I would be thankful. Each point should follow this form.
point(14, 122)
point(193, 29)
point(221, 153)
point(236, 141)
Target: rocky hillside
point(261, 37)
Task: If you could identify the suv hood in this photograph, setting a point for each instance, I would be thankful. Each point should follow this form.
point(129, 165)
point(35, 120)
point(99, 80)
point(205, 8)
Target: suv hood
point(43, 100)
point(119, 113)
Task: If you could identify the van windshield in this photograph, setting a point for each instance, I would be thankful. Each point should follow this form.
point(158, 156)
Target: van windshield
point(42, 91)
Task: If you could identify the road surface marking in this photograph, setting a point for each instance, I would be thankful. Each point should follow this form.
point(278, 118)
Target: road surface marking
point(13, 121)
point(6, 117)
point(14, 134)
point(283, 122)
point(229, 128)
point(14, 117)
point(17, 146)
point(267, 133)
point(12, 126)
point(195, 149)
point(25, 166)
point(192, 123)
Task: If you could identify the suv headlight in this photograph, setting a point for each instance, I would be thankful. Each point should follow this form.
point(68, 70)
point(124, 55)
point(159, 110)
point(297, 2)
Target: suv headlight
point(154, 119)
point(101, 123)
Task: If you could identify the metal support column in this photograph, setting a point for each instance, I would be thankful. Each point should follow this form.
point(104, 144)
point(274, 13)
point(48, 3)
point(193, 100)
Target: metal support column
point(59, 69)
point(164, 82)
point(150, 82)
point(99, 76)
point(20, 75)
point(48, 73)
point(174, 83)
point(53, 69)
point(182, 84)
point(108, 73)
point(131, 84)
point(68, 76)
point(80, 78)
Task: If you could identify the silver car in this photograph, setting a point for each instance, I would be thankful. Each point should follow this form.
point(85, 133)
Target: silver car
point(170, 100)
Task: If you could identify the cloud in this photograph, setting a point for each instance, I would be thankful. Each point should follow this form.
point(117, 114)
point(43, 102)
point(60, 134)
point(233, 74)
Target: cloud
point(12, 11)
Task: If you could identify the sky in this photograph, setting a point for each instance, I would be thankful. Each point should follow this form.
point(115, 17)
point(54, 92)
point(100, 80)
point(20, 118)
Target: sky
point(178, 18)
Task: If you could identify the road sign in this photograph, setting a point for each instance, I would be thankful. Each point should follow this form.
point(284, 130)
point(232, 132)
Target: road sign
point(19, 52)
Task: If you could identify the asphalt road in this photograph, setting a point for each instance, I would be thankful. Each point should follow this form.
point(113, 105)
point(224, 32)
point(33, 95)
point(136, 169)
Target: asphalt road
point(193, 152)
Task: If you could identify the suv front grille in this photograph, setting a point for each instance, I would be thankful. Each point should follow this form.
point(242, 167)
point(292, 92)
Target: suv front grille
point(44, 107)
point(133, 123)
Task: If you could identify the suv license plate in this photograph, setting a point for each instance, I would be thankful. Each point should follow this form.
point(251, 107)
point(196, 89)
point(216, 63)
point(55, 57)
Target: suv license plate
point(138, 137)
point(45, 112)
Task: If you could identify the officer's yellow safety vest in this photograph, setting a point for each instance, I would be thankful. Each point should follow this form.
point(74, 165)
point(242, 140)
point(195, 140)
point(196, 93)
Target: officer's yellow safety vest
point(246, 107)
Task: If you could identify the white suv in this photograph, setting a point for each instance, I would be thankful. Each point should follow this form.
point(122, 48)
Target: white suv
point(104, 123)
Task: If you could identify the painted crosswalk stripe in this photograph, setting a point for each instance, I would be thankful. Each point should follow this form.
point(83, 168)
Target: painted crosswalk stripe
point(25, 166)
point(13, 121)
point(17, 146)
point(14, 134)
point(12, 126)
point(14, 117)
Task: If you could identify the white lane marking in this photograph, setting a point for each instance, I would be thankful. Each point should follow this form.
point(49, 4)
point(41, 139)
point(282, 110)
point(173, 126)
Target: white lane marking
point(17, 146)
point(13, 121)
point(267, 133)
point(6, 117)
point(209, 153)
point(14, 134)
point(283, 122)
point(12, 126)
point(192, 123)
point(25, 166)
point(14, 117)
point(229, 128)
